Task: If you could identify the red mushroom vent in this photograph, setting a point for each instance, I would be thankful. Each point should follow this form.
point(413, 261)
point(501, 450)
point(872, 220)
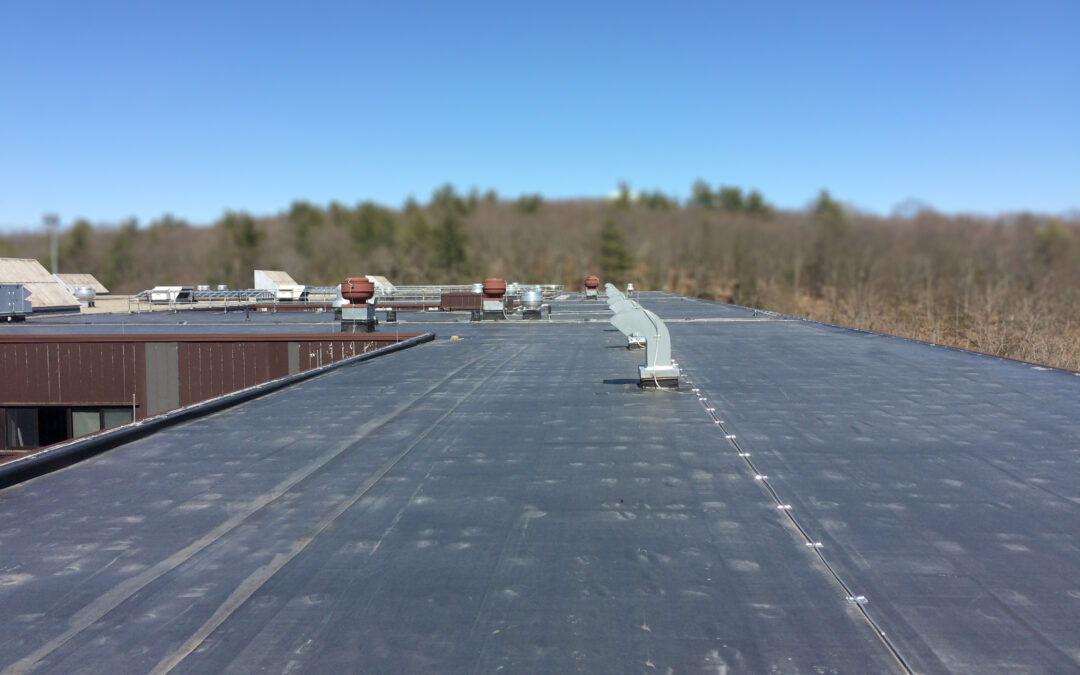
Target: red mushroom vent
point(494, 288)
point(358, 290)
point(592, 281)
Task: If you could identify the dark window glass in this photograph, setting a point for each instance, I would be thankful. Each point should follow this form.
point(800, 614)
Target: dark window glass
point(22, 428)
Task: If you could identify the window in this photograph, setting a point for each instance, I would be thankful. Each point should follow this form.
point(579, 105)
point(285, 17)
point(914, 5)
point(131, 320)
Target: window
point(88, 420)
point(27, 428)
point(85, 421)
point(22, 428)
point(114, 417)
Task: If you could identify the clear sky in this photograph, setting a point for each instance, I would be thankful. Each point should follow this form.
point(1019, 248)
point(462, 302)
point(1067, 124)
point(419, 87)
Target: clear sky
point(111, 109)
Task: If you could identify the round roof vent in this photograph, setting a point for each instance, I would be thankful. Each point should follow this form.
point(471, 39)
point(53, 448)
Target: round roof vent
point(494, 288)
point(358, 290)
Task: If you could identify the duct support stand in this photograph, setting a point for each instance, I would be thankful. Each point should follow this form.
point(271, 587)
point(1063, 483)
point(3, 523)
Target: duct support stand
point(658, 377)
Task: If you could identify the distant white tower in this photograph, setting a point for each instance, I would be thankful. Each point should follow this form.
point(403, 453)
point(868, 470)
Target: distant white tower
point(52, 225)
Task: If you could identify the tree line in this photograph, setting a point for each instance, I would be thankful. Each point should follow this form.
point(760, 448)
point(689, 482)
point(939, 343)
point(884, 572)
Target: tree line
point(1007, 285)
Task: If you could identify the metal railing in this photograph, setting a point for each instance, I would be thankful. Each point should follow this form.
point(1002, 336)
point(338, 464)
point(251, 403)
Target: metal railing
point(212, 298)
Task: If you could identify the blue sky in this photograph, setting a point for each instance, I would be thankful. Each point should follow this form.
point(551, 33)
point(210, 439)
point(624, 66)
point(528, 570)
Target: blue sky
point(111, 109)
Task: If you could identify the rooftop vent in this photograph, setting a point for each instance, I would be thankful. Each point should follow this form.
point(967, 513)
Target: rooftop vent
point(494, 299)
point(358, 306)
point(494, 288)
point(85, 295)
point(592, 283)
point(358, 290)
point(532, 304)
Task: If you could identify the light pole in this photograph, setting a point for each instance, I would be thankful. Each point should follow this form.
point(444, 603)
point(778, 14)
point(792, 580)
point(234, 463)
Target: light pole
point(52, 224)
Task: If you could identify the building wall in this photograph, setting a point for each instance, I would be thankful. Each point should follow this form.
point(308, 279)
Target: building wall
point(156, 373)
point(43, 372)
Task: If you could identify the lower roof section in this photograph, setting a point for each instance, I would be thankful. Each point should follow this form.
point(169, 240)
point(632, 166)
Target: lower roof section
point(512, 500)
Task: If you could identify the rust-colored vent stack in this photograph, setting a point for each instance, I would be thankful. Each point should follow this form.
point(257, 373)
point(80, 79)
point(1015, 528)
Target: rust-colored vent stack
point(494, 289)
point(592, 282)
point(494, 303)
point(358, 290)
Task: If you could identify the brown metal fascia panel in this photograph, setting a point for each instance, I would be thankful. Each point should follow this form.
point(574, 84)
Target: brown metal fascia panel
point(75, 372)
point(212, 375)
point(450, 302)
point(135, 358)
point(250, 360)
point(26, 372)
point(66, 373)
point(72, 404)
point(410, 306)
point(277, 362)
point(233, 367)
point(294, 307)
point(188, 364)
point(206, 337)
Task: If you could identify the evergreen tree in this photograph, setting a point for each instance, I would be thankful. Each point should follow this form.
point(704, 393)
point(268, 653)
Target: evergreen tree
point(729, 198)
point(616, 260)
point(701, 195)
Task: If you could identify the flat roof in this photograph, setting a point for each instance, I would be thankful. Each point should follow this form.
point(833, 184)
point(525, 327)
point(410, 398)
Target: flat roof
point(512, 500)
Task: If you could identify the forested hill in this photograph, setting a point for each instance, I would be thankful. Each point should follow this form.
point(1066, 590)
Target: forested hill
point(1005, 285)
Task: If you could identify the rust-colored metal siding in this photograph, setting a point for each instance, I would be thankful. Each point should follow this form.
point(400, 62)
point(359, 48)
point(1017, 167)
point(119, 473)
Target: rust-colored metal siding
point(50, 373)
point(107, 370)
point(315, 353)
point(461, 301)
point(208, 370)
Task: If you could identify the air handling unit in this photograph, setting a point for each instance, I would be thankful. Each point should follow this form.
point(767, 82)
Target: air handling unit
point(14, 302)
point(658, 372)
